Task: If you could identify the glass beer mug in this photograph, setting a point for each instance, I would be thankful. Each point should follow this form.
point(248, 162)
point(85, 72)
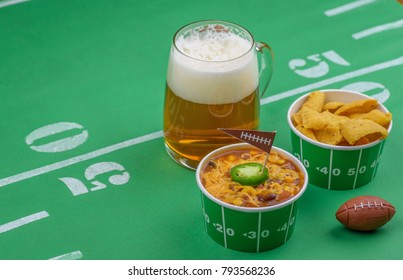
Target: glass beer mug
point(214, 80)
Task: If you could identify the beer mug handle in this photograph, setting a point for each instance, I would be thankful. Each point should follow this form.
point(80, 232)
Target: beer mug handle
point(265, 66)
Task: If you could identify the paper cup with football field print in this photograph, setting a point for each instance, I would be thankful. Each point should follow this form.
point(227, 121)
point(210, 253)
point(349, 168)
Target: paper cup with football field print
point(250, 218)
point(341, 166)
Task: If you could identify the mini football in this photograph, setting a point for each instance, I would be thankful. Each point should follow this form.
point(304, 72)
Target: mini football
point(365, 213)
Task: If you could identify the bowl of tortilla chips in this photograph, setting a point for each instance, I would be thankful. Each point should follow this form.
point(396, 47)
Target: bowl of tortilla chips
point(339, 136)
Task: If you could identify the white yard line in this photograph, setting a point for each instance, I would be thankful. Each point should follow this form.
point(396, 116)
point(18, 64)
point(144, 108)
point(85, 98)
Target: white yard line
point(69, 256)
point(23, 221)
point(77, 159)
point(343, 77)
point(11, 2)
point(347, 7)
point(378, 29)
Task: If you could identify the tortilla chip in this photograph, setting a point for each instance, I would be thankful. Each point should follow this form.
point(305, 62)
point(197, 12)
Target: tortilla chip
point(375, 115)
point(344, 124)
point(333, 120)
point(306, 131)
point(354, 129)
point(329, 135)
point(315, 101)
point(358, 106)
point(296, 118)
point(311, 118)
point(332, 106)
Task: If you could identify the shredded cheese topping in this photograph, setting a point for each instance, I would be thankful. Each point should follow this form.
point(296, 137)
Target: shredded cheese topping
point(285, 179)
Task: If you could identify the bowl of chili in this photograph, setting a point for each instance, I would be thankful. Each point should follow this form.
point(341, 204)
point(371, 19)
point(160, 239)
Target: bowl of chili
point(248, 206)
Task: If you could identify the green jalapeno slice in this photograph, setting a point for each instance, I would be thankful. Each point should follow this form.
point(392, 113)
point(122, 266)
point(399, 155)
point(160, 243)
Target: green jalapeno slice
point(249, 174)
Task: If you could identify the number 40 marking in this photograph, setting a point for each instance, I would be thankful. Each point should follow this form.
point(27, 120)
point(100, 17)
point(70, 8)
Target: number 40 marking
point(286, 225)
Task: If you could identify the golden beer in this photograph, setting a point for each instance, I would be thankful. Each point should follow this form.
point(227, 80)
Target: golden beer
point(212, 82)
point(190, 129)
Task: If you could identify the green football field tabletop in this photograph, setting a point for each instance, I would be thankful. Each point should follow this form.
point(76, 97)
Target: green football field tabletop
point(83, 169)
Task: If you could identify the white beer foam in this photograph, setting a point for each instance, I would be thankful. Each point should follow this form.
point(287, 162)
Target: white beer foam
point(212, 68)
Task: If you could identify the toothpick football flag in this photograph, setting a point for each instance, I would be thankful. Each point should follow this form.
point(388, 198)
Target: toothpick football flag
point(260, 139)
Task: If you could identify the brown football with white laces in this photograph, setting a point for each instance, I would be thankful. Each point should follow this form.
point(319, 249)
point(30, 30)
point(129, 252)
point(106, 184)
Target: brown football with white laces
point(365, 213)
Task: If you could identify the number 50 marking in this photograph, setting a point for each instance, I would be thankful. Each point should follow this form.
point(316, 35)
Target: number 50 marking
point(352, 171)
point(320, 68)
point(118, 177)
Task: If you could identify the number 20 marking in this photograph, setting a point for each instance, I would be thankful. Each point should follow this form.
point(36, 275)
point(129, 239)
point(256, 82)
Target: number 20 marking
point(228, 231)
